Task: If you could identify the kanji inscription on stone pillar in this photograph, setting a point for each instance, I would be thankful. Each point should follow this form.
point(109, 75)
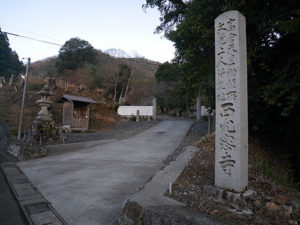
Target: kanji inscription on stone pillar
point(231, 159)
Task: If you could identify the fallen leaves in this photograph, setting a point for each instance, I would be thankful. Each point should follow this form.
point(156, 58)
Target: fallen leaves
point(274, 204)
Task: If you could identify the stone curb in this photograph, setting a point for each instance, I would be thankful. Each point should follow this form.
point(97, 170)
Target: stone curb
point(153, 193)
point(151, 206)
point(35, 207)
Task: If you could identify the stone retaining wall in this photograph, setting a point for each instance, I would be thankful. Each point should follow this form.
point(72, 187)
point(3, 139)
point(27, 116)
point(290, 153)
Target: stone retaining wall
point(4, 135)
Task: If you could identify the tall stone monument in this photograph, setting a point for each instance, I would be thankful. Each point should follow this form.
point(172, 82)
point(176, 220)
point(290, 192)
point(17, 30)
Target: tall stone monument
point(198, 105)
point(231, 159)
point(154, 109)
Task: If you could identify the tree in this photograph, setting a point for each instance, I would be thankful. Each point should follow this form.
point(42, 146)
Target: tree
point(273, 52)
point(119, 85)
point(172, 12)
point(168, 72)
point(75, 53)
point(171, 94)
point(9, 60)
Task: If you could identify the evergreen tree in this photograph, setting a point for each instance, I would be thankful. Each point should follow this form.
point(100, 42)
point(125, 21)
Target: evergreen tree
point(74, 54)
point(273, 51)
point(9, 60)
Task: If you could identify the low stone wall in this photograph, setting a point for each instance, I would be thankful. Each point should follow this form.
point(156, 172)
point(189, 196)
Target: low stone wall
point(131, 110)
point(4, 136)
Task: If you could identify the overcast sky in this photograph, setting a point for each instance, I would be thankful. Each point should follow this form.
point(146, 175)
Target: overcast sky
point(104, 23)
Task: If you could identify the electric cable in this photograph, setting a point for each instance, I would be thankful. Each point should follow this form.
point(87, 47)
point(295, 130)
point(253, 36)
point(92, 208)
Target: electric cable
point(34, 39)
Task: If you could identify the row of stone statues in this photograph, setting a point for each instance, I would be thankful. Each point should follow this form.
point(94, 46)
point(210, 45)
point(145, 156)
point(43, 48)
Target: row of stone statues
point(10, 82)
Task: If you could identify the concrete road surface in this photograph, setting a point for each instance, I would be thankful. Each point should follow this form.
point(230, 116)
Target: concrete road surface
point(90, 185)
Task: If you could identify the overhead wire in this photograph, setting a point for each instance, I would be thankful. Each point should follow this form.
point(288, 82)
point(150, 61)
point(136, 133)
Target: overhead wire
point(30, 38)
point(27, 31)
point(52, 43)
point(151, 63)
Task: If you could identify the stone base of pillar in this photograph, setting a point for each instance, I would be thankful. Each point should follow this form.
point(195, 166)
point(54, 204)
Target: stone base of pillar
point(240, 202)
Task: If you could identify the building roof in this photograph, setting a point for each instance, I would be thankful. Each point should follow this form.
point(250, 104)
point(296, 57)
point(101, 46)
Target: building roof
point(75, 98)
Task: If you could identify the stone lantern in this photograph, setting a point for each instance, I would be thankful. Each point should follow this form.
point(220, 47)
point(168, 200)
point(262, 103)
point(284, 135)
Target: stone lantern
point(43, 127)
point(42, 131)
point(45, 104)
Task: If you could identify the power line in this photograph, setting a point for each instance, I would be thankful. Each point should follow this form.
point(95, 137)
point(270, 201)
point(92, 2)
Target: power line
point(27, 31)
point(21, 36)
point(150, 63)
point(52, 43)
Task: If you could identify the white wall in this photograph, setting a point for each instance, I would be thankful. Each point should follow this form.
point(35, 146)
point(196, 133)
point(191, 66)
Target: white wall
point(131, 110)
point(204, 111)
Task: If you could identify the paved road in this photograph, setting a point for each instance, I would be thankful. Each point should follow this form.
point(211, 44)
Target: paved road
point(89, 186)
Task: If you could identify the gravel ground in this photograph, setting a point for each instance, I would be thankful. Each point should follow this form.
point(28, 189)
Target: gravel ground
point(122, 130)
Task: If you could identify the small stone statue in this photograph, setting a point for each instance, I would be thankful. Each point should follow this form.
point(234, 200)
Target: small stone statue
point(11, 80)
point(2, 82)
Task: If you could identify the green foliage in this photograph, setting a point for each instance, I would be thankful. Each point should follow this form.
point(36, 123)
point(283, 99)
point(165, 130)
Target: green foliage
point(97, 81)
point(280, 175)
point(171, 12)
point(133, 118)
point(74, 54)
point(168, 72)
point(9, 60)
point(36, 86)
point(118, 84)
point(273, 50)
point(171, 93)
point(95, 71)
point(101, 75)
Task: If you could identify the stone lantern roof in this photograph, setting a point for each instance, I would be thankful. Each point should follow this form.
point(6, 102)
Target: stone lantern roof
point(45, 91)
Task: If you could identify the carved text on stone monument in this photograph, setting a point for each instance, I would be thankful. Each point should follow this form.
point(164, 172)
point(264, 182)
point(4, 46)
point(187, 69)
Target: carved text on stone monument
point(227, 96)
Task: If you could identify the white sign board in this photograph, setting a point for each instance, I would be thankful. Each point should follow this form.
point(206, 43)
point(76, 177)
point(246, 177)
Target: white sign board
point(204, 111)
point(131, 110)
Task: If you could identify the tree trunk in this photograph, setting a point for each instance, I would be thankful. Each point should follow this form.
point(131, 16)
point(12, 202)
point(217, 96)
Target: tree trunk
point(120, 98)
point(129, 79)
point(116, 78)
point(187, 105)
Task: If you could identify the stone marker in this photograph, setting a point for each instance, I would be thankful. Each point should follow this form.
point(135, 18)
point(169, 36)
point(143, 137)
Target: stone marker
point(51, 83)
point(154, 109)
point(214, 120)
point(2, 82)
point(137, 115)
point(22, 80)
point(208, 123)
point(11, 80)
point(198, 109)
point(231, 159)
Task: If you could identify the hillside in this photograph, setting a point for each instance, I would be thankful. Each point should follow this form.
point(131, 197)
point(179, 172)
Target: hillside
point(94, 81)
point(101, 75)
point(102, 116)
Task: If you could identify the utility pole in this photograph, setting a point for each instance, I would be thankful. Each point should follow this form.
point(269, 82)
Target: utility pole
point(23, 99)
